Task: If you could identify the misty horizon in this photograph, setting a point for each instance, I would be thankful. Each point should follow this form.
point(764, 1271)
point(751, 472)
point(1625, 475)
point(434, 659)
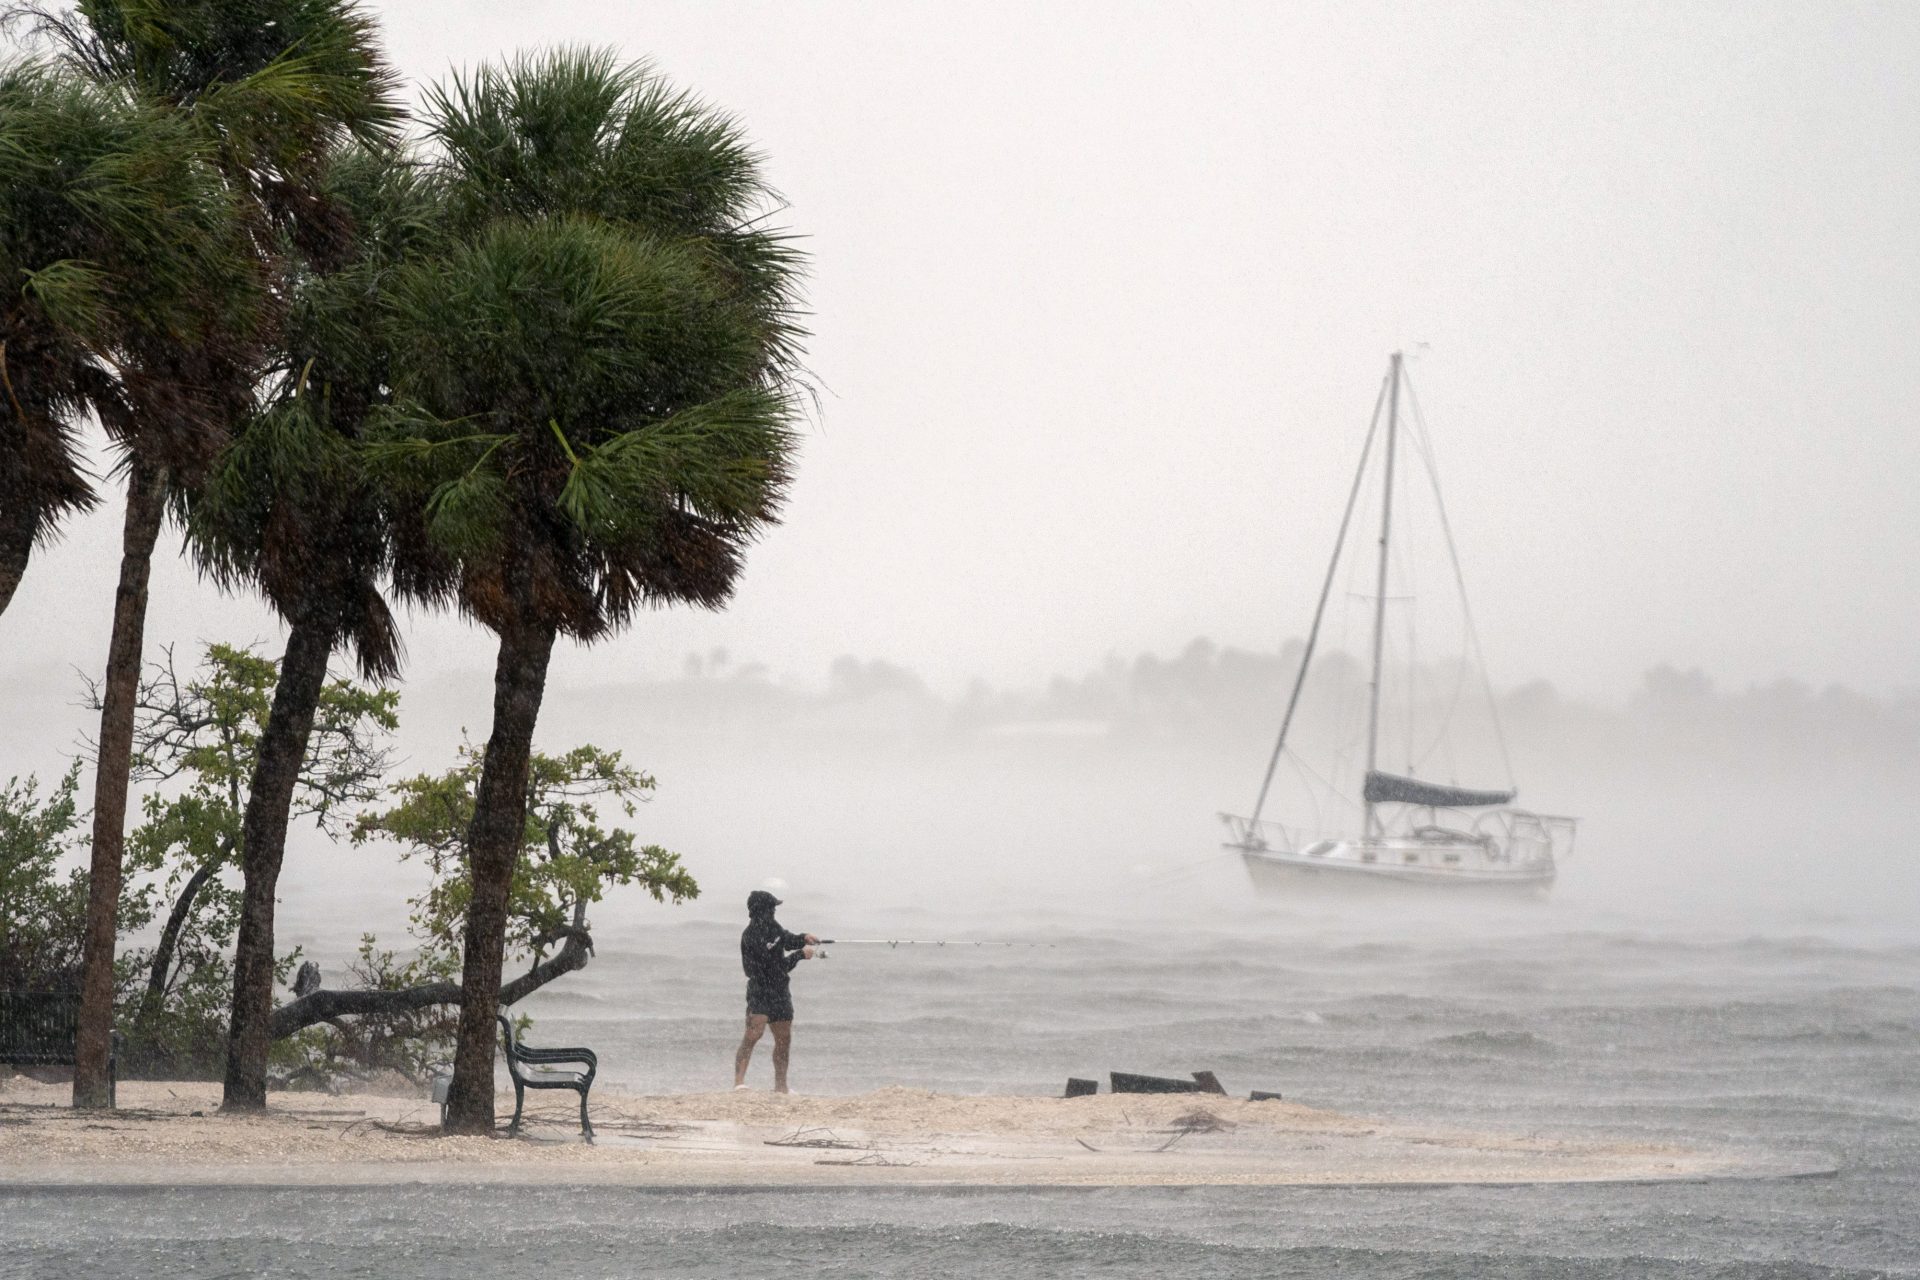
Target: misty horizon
point(868, 788)
point(1117, 682)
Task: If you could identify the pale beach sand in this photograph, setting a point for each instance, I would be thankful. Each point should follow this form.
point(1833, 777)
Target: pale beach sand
point(169, 1133)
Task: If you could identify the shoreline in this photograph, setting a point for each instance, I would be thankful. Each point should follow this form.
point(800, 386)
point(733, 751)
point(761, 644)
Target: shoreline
point(168, 1135)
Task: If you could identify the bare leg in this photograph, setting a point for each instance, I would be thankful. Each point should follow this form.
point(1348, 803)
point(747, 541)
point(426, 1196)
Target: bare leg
point(756, 1024)
point(782, 1042)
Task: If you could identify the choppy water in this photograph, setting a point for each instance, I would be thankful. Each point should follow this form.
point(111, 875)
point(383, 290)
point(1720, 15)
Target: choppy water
point(1805, 1044)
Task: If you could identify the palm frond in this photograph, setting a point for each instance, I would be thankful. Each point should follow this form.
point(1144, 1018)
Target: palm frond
point(120, 239)
point(465, 515)
point(73, 294)
point(726, 460)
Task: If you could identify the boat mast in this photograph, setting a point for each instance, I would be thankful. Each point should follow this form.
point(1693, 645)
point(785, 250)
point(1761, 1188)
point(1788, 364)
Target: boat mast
point(1319, 612)
point(1380, 598)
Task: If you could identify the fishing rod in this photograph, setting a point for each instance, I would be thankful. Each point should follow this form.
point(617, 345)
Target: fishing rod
point(895, 943)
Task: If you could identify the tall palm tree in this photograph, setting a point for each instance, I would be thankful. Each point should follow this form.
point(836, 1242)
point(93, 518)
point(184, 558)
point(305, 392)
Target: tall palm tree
point(268, 86)
point(290, 510)
point(126, 241)
point(595, 397)
point(112, 227)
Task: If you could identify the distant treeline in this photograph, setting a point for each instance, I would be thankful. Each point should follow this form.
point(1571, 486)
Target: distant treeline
point(1210, 689)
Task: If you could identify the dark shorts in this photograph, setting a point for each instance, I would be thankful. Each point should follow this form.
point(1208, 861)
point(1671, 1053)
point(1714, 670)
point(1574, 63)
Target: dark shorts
point(774, 1006)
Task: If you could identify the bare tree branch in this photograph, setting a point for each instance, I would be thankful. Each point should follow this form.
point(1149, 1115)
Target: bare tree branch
point(324, 1005)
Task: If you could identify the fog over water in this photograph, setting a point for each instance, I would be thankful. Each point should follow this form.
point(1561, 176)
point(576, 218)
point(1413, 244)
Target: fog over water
point(1772, 808)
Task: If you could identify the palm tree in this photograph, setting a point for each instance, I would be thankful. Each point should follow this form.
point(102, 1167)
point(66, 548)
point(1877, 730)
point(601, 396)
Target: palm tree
point(267, 86)
point(111, 229)
point(290, 510)
point(595, 398)
point(126, 241)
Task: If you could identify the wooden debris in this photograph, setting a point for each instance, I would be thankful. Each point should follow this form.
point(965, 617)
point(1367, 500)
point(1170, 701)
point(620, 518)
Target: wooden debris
point(1127, 1082)
point(821, 1138)
point(1200, 1120)
point(874, 1159)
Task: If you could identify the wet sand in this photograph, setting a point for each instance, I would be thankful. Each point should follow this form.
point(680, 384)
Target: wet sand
point(169, 1134)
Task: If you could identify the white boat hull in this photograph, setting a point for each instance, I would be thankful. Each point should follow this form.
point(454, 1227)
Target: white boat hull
point(1396, 867)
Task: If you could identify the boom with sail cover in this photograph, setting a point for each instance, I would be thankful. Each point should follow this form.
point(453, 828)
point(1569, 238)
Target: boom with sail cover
point(1391, 788)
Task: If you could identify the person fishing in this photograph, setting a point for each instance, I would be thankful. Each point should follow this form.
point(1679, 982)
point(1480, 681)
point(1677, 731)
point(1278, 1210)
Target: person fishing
point(768, 954)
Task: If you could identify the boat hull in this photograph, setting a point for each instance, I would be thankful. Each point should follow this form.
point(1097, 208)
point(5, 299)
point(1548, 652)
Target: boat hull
point(1277, 874)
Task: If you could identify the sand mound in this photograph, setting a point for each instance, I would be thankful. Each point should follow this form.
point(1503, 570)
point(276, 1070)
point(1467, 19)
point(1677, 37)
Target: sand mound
point(172, 1134)
point(920, 1110)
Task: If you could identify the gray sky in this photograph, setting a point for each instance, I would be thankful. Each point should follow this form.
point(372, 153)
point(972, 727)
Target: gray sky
point(1103, 294)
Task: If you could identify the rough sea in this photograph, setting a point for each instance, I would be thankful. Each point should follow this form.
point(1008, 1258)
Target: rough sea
point(1801, 1041)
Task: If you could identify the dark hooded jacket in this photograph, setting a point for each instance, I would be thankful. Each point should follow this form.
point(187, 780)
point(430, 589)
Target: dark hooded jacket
point(768, 952)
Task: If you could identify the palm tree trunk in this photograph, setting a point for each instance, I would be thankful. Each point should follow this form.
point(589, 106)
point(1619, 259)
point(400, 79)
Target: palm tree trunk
point(146, 508)
point(263, 846)
point(493, 849)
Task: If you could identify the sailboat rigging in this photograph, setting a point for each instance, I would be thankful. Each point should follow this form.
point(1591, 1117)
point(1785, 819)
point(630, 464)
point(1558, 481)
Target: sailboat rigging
point(1413, 832)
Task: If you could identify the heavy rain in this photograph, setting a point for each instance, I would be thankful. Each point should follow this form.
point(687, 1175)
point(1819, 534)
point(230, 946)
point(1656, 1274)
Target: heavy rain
point(1290, 630)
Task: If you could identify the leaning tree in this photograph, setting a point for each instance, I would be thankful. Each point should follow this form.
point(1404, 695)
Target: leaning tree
point(595, 398)
point(198, 737)
point(112, 329)
point(267, 86)
point(291, 510)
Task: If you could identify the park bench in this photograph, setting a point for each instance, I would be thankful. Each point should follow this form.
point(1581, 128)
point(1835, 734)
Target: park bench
point(535, 1069)
point(37, 1030)
point(538, 1069)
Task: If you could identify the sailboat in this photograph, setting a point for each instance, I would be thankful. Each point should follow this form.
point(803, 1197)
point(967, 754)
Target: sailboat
point(1414, 834)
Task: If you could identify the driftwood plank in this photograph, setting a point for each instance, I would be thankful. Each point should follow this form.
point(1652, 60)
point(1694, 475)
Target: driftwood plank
point(1127, 1082)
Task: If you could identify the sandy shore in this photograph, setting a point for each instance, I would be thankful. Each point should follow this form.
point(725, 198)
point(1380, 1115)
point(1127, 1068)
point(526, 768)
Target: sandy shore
point(169, 1134)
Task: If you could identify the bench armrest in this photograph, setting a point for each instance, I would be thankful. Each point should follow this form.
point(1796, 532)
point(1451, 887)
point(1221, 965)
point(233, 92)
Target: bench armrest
point(547, 1057)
